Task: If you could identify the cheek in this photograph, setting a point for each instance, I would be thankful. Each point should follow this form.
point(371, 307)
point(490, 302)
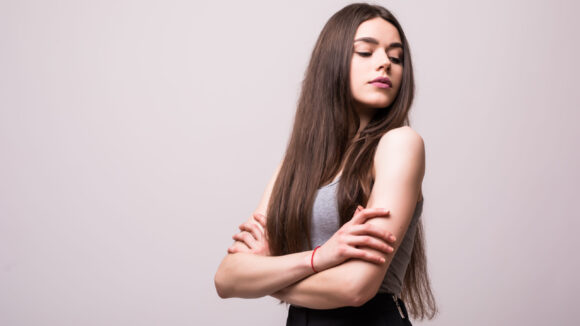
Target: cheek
point(399, 75)
point(357, 70)
point(353, 76)
point(357, 84)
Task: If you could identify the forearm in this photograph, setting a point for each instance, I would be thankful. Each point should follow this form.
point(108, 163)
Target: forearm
point(350, 284)
point(247, 275)
point(319, 291)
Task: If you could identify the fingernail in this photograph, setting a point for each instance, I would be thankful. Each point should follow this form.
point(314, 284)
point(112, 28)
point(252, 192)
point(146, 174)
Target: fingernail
point(382, 260)
point(393, 238)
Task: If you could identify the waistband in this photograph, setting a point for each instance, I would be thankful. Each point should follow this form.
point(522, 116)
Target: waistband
point(382, 303)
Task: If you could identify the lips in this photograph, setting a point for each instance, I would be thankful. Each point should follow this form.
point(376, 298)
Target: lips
point(381, 80)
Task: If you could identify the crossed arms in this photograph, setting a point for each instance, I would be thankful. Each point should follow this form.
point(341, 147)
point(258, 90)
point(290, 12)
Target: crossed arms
point(350, 271)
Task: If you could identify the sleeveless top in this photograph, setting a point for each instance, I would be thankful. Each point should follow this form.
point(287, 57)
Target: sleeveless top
point(326, 221)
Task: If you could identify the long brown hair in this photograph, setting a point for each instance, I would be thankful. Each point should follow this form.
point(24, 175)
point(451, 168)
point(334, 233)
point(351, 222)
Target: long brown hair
point(323, 141)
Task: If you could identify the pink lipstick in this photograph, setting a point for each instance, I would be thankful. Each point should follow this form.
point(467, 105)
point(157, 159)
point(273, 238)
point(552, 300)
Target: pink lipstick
point(382, 82)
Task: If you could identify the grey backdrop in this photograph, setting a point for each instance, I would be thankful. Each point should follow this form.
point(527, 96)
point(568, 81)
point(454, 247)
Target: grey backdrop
point(136, 135)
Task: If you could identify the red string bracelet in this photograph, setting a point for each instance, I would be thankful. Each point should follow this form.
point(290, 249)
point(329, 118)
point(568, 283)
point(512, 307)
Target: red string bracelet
point(312, 260)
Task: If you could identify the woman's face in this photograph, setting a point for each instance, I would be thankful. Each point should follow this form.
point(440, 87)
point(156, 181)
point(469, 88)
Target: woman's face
point(378, 53)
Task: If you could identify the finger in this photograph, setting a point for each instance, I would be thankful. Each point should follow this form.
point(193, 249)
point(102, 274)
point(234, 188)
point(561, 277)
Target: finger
point(359, 208)
point(252, 228)
point(364, 255)
point(372, 230)
point(370, 242)
point(233, 250)
point(246, 238)
point(258, 229)
point(261, 219)
point(367, 213)
point(238, 247)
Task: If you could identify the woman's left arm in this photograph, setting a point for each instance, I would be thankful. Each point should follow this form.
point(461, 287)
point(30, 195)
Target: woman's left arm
point(399, 169)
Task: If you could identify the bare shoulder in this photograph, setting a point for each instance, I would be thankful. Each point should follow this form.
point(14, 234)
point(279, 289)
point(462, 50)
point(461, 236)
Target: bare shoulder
point(403, 136)
point(400, 148)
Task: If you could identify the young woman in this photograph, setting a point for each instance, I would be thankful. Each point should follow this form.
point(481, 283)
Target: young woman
point(311, 242)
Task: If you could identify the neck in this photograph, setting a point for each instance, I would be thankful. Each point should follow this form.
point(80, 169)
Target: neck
point(365, 115)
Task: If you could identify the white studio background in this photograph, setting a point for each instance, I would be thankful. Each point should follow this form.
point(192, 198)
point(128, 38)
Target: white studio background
point(135, 136)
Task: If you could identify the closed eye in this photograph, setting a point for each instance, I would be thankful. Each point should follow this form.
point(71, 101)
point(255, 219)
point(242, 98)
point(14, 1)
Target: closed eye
point(364, 54)
point(395, 60)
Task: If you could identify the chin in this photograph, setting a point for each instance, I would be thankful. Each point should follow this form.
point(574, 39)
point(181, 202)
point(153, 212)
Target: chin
point(379, 100)
point(378, 104)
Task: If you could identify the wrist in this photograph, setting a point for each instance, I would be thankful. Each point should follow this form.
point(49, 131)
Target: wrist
point(307, 262)
point(314, 269)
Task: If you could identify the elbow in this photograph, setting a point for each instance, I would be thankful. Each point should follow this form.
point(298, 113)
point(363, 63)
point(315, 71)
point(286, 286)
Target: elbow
point(360, 293)
point(359, 299)
point(222, 288)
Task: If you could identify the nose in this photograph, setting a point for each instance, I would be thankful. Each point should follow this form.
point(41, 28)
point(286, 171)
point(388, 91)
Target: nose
point(384, 63)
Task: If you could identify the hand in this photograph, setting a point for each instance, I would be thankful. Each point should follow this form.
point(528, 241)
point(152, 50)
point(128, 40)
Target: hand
point(252, 238)
point(345, 243)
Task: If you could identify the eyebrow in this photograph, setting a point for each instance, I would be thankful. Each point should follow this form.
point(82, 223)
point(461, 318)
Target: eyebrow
point(375, 41)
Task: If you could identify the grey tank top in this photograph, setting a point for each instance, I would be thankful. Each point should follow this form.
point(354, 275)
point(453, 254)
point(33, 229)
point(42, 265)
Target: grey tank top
point(325, 222)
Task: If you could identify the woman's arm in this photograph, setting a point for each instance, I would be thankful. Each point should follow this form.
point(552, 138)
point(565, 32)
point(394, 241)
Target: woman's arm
point(249, 275)
point(223, 279)
point(399, 169)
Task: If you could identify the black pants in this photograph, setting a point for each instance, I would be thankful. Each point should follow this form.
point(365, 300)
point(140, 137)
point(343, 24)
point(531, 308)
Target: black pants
point(380, 310)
